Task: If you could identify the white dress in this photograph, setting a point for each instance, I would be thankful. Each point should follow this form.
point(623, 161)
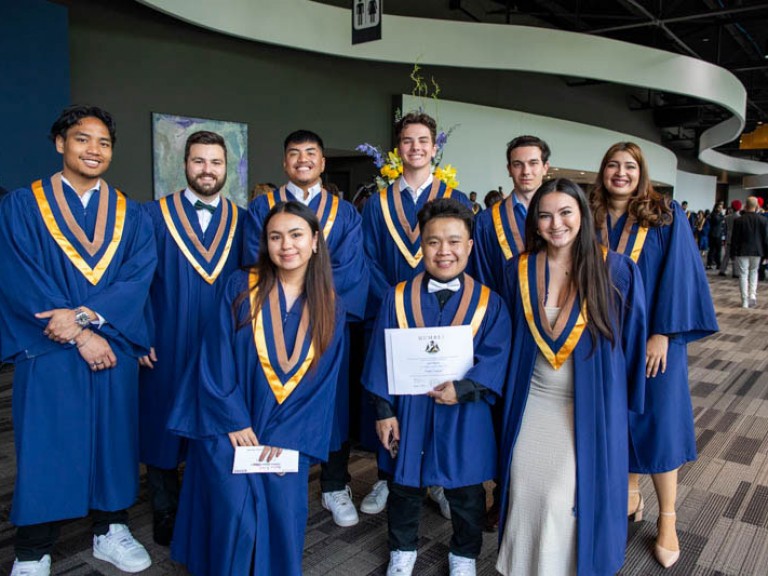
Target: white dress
point(540, 532)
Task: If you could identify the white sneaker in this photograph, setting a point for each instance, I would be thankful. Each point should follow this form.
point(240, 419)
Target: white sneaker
point(341, 506)
point(376, 500)
point(401, 562)
point(40, 567)
point(437, 495)
point(120, 548)
point(461, 566)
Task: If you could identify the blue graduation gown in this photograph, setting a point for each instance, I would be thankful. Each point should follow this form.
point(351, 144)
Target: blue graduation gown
point(607, 380)
point(391, 256)
point(92, 462)
point(184, 297)
point(497, 239)
point(679, 305)
point(341, 224)
point(225, 521)
point(449, 446)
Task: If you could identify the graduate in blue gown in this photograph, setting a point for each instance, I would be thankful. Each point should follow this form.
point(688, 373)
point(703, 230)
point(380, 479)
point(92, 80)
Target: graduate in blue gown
point(392, 243)
point(198, 235)
point(304, 163)
point(500, 230)
point(77, 260)
point(446, 436)
point(598, 336)
point(637, 221)
point(267, 377)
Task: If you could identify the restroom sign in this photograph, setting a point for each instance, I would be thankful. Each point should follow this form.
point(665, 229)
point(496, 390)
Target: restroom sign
point(366, 20)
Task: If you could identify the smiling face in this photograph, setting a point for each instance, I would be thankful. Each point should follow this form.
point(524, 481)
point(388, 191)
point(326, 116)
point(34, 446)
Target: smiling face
point(290, 242)
point(446, 246)
point(621, 175)
point(206, 169)
point(304, 163)
point(416, 147)
point(87, 151)
point(559, 220)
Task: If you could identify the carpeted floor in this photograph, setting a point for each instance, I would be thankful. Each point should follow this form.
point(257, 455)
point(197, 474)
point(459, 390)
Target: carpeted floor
point(722, 502)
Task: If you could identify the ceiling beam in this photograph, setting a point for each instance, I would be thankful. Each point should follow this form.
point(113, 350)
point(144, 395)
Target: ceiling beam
point(653, 21)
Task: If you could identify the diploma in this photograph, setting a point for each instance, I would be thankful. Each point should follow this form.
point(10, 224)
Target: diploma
point(418, 359)
point(247, 461)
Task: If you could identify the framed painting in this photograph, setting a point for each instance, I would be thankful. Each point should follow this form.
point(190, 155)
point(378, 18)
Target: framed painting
point(169, 135)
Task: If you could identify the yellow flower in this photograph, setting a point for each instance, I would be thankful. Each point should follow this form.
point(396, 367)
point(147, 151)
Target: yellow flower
point(447, 175)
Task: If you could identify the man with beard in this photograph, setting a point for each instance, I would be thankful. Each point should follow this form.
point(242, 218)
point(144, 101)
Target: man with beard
point(304, 163)
point(198, 236)
point(78, 258)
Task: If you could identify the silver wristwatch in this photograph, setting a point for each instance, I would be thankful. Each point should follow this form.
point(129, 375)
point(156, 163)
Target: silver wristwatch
point(82, 318)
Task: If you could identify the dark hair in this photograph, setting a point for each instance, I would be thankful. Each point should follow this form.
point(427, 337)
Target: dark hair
point(647, 206)
point(318, 282)
point(493, 197)
point(302, 136)
point(416, 118)
point(527, 140)
point(445, 208)
point(204, 137)
point(72, 115)
point(590, 275)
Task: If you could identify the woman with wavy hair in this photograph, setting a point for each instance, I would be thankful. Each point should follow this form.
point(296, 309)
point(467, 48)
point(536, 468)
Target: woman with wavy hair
point(266, 377)
point(578, 352)
point(633, 219)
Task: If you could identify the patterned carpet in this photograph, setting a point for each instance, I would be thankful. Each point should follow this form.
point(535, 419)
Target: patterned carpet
point(722, 503)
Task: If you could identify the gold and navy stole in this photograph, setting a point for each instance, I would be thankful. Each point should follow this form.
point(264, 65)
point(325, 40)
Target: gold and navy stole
point(555, 342)
point(283, 373)
point(510, 231)
point(90, 257)
point(208, 262)
point(406, 237)
point(408, 309)
point(326, 210)
point(632, 238)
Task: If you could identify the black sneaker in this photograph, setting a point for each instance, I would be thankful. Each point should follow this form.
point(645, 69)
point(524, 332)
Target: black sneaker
point(162, 527)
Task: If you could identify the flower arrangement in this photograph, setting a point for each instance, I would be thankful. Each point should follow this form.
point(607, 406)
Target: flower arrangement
point(391, 165)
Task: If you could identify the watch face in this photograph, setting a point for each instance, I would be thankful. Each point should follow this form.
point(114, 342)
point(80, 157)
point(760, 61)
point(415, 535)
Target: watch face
point(82, 319)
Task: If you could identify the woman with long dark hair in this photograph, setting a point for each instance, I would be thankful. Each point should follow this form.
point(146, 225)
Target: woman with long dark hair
point(633, 219)
point(267, 377)
point(577, 362)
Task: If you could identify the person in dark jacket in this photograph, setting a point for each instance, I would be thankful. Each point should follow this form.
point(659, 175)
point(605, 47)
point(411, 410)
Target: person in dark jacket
point(716, 236)
point(749, 245)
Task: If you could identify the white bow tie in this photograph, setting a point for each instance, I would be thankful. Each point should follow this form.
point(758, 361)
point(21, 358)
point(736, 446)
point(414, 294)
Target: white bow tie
point(435, 286)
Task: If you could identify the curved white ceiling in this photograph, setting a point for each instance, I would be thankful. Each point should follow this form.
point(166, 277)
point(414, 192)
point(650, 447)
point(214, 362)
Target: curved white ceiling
point(317, 27)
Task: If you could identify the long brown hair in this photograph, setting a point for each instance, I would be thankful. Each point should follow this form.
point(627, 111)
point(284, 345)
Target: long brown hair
point(648, 207)
point(318, 281)
point(590, 278)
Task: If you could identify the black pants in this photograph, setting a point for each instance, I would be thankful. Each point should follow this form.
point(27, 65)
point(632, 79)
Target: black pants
point(715, 248)
point(36, 540)
point(334, 475)
point(164, 488)
point(467, 516)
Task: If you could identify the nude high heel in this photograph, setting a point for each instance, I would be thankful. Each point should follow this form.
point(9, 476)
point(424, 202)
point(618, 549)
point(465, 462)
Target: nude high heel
point(664, 556)
point(637, 515)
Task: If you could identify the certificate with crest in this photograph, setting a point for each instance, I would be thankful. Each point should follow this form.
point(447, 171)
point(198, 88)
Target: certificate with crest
point(418, 359)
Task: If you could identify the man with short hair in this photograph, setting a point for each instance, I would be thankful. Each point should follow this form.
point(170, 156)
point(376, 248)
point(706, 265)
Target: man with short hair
point(729, 220)
point(500, 230)
point(716, 235)
point(304, 163)
point(446, 436)
point(78, 258)
point(393, 245)
point(475, 205)
point(749, 245)
point(198, 235)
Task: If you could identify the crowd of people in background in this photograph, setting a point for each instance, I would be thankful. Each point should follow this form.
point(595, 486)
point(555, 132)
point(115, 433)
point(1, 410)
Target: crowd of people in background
point(191, 330)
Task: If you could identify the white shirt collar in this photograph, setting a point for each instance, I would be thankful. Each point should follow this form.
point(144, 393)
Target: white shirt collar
point(403, 185)
point(314, 190)
point(86, 196)
point(192, 198)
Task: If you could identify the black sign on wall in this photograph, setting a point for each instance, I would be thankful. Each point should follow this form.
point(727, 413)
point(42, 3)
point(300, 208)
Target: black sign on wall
point(366, 20)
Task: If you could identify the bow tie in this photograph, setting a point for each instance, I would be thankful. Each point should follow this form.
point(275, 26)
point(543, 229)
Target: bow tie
point(200, 205)
point(435, 286)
